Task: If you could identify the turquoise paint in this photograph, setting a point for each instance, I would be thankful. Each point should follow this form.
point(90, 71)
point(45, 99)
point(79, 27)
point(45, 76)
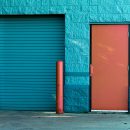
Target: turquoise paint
point(29, 49)
point(79, 14)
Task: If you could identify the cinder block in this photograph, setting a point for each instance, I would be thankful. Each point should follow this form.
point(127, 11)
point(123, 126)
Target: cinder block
point(94, 2)
point(109, 9)
point(93, 9)
point(5, 3)
point(77, 79)
point(57, 10)
point(76, 98)
point(76, 67)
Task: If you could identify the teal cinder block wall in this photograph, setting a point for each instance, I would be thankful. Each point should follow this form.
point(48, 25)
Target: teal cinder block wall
point(79, 14)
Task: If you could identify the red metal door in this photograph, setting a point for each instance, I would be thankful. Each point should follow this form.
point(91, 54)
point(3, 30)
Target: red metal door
point(110, 67)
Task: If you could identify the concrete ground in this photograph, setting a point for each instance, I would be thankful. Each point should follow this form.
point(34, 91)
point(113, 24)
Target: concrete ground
point(28, 120)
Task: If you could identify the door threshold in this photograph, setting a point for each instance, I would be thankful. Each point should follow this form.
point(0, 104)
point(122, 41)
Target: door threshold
point(109, 111)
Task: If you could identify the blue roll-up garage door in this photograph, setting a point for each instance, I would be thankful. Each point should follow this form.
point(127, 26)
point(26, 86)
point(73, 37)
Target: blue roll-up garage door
point(29, 49)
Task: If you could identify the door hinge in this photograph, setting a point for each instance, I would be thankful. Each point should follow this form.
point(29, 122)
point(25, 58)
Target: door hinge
point(91, 69)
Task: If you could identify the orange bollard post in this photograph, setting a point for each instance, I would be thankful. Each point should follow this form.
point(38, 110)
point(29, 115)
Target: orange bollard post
point(59, 87)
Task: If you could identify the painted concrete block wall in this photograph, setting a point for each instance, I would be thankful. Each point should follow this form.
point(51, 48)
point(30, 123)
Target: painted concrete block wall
point(79, 14)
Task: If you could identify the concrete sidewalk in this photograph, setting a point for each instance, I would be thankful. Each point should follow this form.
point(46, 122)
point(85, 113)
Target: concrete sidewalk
point(26, 120)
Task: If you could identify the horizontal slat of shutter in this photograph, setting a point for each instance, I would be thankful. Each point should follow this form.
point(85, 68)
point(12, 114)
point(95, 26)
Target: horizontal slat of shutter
point(29, 49)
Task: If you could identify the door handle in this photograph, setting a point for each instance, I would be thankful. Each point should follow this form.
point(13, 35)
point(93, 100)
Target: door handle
point(91, 69)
